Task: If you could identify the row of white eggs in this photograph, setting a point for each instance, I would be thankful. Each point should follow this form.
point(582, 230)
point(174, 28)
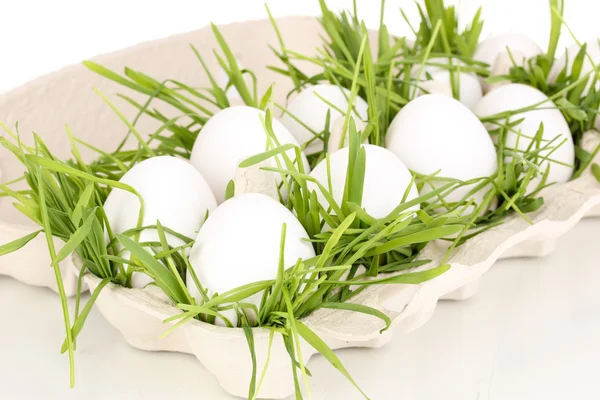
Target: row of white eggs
point(500, 52)
point(239, 243)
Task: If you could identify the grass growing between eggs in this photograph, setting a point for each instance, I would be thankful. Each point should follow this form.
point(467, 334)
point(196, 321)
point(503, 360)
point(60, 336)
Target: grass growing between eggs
point(346, 60)
point(387, 78)
point(191, 106)
point(575, 93)
point(351, 252)
point(66, 197)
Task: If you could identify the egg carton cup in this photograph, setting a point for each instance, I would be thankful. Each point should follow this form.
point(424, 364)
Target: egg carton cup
point(139, 314)
point(66, 96)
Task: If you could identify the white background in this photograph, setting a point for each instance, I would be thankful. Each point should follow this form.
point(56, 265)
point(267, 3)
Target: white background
point(531, 333)
point(37, 36)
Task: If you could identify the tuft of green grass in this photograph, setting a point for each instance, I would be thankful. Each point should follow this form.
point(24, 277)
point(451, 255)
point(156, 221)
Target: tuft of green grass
point(451, 40)
point(191, 106)
point(356, 251)
point(65, 198)
point(387, 81)
point(391, 76)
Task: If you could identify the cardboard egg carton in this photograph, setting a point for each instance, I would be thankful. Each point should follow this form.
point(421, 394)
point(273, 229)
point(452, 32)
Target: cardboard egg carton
point(48, 103)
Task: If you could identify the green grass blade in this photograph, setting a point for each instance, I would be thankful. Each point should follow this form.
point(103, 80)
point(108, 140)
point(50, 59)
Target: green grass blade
point(59, 281)
point(80, 321)
point(76, 238)
point(596, 171)
point(318, 344)
point(235, 73)
point(360, 308)
point(410, 278)
point(258, 158)
point(250, 339)
point(230, 190)
point(276, 290)
point(82, 203)
point(18, 243)
point(264, 371)
point(163, 277)
point(423, 236)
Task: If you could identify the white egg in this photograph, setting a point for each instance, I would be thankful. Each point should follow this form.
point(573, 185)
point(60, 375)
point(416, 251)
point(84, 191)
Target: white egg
point(308, 106)
point(438, 133)
point(335, 136)
point(385, 183)
point(436, 87)
point(493, 51)
point(516, 96)
point(239, 244)
point(228, 138)
point(469, 92)
point(174, 193)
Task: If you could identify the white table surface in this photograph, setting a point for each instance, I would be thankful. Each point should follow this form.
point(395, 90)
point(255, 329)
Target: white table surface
point(531, 333)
